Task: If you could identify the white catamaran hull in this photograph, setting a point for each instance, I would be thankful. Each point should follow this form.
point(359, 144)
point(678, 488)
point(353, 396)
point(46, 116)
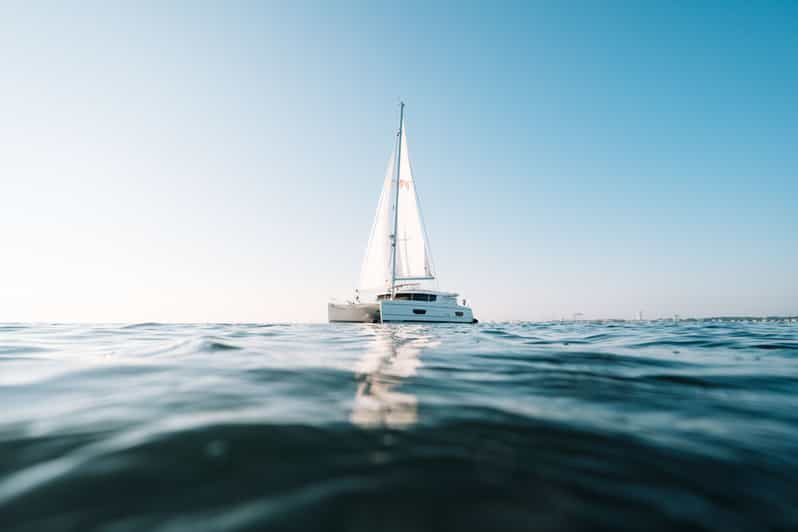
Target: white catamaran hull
point(398, 310)
point(353, 312)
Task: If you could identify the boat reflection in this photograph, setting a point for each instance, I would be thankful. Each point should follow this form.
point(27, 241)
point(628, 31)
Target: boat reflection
point(393, 357)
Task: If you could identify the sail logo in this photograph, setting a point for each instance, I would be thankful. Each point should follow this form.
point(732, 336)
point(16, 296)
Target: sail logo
point(404, 183)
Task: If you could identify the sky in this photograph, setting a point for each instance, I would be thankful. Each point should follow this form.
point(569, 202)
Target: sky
point(221, 161)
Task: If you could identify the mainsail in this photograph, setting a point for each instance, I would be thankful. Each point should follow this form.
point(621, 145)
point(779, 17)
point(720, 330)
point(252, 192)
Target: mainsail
point(413, 258)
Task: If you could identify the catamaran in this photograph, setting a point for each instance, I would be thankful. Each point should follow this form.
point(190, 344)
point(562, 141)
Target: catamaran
point(397, 269)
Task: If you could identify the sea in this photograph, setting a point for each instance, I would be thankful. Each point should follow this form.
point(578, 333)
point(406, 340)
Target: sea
point(562, 426)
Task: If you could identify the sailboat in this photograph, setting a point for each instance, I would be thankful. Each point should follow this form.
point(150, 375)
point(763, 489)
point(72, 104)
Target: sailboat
point(397, 271)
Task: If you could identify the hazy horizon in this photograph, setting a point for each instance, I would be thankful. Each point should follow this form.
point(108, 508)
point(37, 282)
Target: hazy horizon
point(198, 162)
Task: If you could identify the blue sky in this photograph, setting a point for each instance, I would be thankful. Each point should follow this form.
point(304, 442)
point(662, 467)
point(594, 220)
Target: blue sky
point(222, 161)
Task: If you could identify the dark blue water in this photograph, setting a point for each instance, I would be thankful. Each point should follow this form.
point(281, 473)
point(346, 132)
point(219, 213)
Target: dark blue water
point(582, 426)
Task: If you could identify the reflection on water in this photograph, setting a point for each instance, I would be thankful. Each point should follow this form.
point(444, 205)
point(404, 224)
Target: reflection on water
point(392, 357)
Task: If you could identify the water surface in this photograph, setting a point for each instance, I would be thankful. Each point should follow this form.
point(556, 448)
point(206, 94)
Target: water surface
point(522, 426)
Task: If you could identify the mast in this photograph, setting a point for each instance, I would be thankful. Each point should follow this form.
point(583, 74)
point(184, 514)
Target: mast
point(396, 201)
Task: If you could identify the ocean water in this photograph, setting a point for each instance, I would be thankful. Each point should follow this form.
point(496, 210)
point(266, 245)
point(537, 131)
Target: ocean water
point(506, 426)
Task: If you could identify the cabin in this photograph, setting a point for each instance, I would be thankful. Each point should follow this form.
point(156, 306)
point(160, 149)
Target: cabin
point(426, 296)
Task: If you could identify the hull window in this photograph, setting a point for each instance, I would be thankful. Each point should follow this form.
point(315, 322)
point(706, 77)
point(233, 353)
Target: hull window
point(408, 297)
point(458, 313)
point(419, 311)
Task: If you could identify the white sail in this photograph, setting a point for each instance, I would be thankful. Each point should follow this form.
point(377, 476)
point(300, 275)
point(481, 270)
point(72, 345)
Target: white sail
point(375, 273)
point(412, 250)
point(413, 258)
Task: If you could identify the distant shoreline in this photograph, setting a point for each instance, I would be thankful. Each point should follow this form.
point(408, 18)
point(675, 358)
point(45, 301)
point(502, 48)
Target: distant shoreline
point(788, 319)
